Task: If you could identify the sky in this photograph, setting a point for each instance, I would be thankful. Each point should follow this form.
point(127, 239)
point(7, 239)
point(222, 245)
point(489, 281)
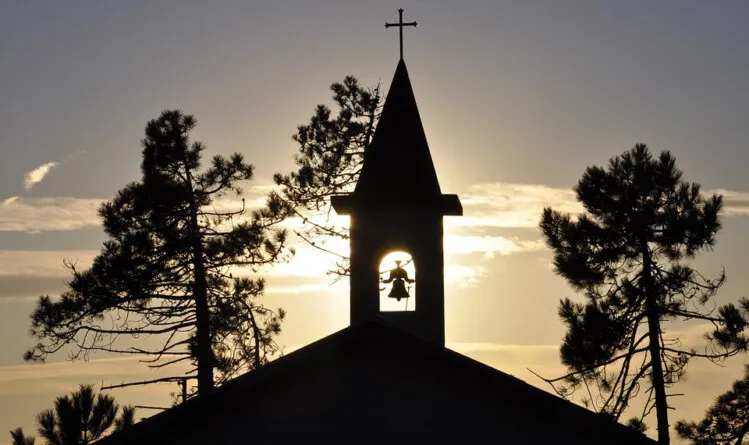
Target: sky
point(516, 98)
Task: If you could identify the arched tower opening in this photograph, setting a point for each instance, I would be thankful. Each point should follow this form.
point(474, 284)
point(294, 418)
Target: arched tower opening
point(397, 273)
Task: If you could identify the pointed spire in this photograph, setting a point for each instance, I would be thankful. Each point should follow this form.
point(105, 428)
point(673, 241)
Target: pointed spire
point(398, 162)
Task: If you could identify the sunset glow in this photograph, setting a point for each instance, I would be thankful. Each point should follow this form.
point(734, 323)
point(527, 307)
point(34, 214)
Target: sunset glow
point(516, 100)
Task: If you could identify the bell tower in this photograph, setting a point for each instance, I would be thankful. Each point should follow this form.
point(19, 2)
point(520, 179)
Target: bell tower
point(397, 205)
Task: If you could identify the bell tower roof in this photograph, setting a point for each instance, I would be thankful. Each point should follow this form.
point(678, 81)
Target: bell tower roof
point(398, 161)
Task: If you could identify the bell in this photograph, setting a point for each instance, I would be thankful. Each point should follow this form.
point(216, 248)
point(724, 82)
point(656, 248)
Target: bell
point(399, 289)
point(398, 277)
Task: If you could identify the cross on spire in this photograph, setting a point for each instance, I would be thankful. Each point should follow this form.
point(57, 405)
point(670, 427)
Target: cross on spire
point(400, 26)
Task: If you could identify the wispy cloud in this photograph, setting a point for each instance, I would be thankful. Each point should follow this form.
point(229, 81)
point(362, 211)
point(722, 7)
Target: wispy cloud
point(36, 175)
point(48, 214)
point(304, 289)
point(489, 208)
point(42, 263)
point(62, 213)
point(463, 276)
point(54, 379)
point(499, 204)
point(487, 205)
point(505, 205)
point(736, 203)
point(92, 370)
point(29, 273)
point(491, 245)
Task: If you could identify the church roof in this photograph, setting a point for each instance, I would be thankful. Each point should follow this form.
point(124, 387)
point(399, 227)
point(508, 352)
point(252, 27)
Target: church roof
point(398, 161)
point(365, 379)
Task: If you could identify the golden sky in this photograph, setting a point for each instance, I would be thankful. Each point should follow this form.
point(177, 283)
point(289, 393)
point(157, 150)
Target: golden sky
point(516, 98)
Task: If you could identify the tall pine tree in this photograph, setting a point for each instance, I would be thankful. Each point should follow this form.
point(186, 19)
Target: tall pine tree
point(628, 254)
point(166, 269)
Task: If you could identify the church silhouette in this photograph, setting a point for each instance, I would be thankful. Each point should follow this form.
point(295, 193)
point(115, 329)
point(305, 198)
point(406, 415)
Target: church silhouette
point(388, 377)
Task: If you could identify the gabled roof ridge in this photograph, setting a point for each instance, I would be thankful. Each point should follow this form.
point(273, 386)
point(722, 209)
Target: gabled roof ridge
point(378, 328)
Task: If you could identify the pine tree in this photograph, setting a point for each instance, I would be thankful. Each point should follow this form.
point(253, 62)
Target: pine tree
point(628, 254)
point(166, 269)
point(726, 421)
point(331, 153)
point(78, 419)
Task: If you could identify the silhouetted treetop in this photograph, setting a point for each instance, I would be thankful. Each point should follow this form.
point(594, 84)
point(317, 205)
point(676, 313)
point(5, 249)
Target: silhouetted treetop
point(166, 269)
point(78, 419)
point(628, 255)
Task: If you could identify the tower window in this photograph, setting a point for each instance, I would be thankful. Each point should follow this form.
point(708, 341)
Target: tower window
point(397, 283)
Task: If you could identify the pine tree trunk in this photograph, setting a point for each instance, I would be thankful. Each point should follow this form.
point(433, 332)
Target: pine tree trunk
point(256, 336)
point(202, 322)
point(200, 295)
point(654, 329)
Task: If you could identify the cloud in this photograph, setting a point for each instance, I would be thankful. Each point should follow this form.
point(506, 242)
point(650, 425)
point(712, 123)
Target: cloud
point(499, 204)
point(30, 388)
point(303, 289)
point(736, 203)
point(27, 287)
point(463, 276)
point(30, 273)
point(83, 370)
point(309, 262)
point(490, 245)
point(61, 213)
point(44, 263)
point(489, 208)
point(486, 205)
point(505, 205)
point(36, 175)
point(48, 214)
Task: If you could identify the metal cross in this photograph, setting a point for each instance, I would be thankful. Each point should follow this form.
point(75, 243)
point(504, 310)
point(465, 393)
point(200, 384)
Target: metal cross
point(400, 25)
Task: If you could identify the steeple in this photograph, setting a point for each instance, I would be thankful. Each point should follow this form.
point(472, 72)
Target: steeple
point(398, 170)
point(398, 162)
point(397, 205)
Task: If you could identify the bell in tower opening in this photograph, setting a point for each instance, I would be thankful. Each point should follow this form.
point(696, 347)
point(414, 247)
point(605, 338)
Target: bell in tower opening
point(398, 207)
point(397, 283)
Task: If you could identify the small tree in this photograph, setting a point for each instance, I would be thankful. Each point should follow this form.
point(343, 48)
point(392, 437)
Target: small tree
point(626, 254)
point(166, 269)
point(727, 420)
point(78, 419)
point(331, 153)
